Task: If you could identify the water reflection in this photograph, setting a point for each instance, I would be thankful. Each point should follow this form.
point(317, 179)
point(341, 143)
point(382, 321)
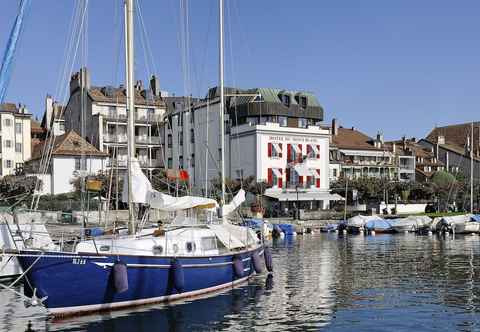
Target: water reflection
point(322, 281)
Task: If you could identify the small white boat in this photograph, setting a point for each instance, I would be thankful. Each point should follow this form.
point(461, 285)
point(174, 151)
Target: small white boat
point(28, 235)
point(411, 224)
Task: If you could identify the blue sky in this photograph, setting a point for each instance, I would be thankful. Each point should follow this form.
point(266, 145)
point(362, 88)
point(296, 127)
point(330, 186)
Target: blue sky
point(401, 67)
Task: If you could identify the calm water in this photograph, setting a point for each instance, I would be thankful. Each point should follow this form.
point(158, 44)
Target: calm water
point(321, 282)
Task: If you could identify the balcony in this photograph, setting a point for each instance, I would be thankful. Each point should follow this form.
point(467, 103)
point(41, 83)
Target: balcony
point(115, 138)
point(148, 118)
point(147, 139)
point(116, 116)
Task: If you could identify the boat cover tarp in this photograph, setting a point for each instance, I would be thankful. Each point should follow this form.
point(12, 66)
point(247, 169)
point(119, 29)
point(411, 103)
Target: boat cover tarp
point(418, 221)
point(359, 221)
point(287, 229)
point(140, 184)
point(476, 217)
point(233, 236)
point(457, 219)
point(235, 203)
point(164, 202)
point(378, 224)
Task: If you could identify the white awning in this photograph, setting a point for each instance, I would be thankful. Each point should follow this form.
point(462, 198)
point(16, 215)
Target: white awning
point(296, 148)
point(316, 173)
point(315, 148)
point(277, 147)
point(304, 196)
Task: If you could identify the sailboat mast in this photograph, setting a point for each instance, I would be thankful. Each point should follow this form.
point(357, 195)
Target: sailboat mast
point(129, 56)
point(222, 103)
point(471, 169)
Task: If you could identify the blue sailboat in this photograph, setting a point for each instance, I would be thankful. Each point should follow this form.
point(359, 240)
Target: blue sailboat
point(191, 256)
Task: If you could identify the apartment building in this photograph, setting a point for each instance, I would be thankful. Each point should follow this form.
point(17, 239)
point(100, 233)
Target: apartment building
point(54, 116)
point(274, 135)
point(355, 155)
point(454, 145)
point(99, 114)
point(15, 138)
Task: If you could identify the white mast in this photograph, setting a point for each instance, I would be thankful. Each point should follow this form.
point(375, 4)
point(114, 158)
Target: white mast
point(222, 104)
point(129, 55)
point(471, 169)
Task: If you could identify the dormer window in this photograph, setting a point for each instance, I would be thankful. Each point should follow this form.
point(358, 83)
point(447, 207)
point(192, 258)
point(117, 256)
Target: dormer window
point(286, 100)
point(303, 101)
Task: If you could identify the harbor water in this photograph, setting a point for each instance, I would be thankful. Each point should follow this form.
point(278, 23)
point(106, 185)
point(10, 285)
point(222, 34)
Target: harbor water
point(327, 281)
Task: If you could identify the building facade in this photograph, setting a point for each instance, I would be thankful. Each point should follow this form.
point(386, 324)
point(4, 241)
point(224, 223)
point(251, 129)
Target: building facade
point(15, 138)
point(355, 155)
point(271, 134)
point(99, 114)
point(452, 144)
point(71, 157)
point(54, 116)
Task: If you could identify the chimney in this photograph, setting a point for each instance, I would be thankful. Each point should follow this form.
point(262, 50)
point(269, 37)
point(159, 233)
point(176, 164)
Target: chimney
point(334, 127)
point(394, 148)
point(155, 85)
point(48, 112)
point(380, 137)
point(404, 142)
point(139, 85)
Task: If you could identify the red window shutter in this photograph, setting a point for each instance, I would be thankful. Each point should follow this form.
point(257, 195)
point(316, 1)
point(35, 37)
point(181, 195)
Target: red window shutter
point(280, 179)
point(318, 151)
point(280, 153)
point(309, 179)
point(269, 180)
point(269, 149)
point(300, 179)
point(318, 179)
point(299, 158)
point(309, 150)
point(289, 152)
point(287, 175)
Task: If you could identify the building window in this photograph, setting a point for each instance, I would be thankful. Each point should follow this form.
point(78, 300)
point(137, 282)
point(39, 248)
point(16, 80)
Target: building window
point(18, 147)
point(302, 123)
point(18, 127)
point(8, 143)
point(154, 153)
point(192, 160)
point(282, 120)
point(275, 150)
point(192, 136)
point(180, 138)
point(180, 119)
point(334, 172)
point(169, 163)
point(303, 102)
point(61, 126)
point(180, 162)
point(286, 100)
point(169, 141)
point(80, 164)
point(8, 163)
point(7, 122)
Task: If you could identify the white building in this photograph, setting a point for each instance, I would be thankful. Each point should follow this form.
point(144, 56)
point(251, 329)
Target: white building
point(355, 155)
point(53, 118)
point(15, 138)
point(271, 134)
point(100, 115)
point(72, 156)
